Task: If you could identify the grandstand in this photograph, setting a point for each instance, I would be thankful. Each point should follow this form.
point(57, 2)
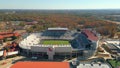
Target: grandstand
point(55, 41)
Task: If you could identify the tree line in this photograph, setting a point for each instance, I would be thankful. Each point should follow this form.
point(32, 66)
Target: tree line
point(70, 21)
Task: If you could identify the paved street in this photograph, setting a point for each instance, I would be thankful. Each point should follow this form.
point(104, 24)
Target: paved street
point(8, 62)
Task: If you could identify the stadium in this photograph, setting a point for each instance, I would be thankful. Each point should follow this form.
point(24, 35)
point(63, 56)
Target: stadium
point(58, 42)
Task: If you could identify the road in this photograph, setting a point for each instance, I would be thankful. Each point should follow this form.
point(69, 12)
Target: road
point(113, 22)
point(8, 62)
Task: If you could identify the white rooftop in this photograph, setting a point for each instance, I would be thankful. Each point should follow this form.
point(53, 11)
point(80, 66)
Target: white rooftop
point(58, 28)
point(93, 66)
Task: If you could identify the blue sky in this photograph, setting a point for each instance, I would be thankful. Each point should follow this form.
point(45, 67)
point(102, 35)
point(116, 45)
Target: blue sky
point(59, 4)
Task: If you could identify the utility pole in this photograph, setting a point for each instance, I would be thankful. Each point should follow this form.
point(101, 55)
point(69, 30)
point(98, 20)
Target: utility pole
point(119, 42)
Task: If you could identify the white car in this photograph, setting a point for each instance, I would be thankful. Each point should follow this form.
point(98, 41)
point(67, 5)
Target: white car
point(34, 58)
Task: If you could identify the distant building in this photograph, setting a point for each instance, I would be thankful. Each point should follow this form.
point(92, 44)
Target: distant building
point(4, 35)
point(20, 31)
point(113, 46)
point(31, 23)
point(117, 35)
point(95, 65)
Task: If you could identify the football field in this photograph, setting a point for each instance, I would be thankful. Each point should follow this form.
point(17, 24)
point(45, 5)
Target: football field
point(56, 42)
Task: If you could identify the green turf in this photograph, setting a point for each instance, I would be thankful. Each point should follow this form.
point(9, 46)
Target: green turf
point(114, 64)
point(55, 42)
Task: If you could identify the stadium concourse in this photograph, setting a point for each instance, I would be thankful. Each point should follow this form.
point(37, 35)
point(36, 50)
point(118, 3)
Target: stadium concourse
point(59, 42)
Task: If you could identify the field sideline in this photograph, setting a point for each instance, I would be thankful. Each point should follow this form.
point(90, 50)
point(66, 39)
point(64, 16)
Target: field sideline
point(56, 42)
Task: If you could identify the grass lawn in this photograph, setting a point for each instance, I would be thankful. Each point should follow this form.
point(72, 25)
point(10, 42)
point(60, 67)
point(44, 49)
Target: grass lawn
point(55, 42)
point(113, 63)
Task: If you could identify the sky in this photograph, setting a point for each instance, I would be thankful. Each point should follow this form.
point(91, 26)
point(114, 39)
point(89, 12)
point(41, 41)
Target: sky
point(59, 4)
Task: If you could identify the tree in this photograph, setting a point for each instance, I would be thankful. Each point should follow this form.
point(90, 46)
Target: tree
point(22, 24)
point(14, 37)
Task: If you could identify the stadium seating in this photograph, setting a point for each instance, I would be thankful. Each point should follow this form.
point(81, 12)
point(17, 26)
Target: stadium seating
point(80, 41)
point(32, 39)
point(53, 33)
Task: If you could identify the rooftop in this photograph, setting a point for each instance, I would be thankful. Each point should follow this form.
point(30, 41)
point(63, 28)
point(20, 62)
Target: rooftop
point(41, 65)
point(58, 29)
point(90, 35)
point(93, 66)
point(8, 34)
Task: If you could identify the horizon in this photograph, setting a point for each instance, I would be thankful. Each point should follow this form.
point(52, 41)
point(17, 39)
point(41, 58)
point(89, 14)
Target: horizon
point(59, 4)
point(62, 9)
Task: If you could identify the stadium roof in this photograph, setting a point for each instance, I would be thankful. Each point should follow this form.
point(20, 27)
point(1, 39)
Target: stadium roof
point(1, 37)
point(90, 35)
point(41, 65)
point(58, 29)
